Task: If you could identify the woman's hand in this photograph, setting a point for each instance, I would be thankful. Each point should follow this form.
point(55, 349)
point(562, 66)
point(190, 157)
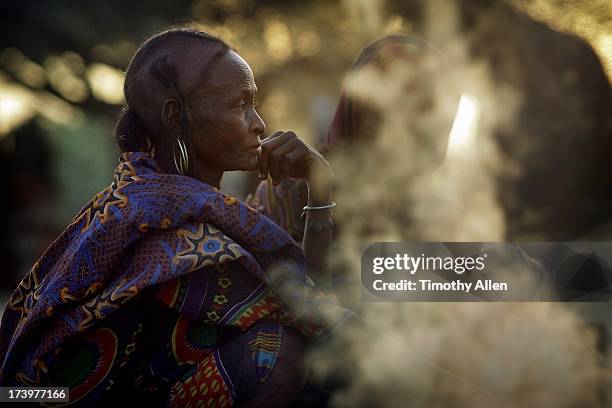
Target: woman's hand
point(284, 154)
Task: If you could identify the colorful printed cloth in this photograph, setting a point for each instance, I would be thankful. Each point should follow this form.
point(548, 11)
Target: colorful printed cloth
point(134, 248)
point(282, 203)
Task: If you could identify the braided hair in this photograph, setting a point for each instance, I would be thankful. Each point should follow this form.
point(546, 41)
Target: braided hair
point(151, 74)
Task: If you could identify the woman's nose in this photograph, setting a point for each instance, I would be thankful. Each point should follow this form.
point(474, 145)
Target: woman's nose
point(257, 124)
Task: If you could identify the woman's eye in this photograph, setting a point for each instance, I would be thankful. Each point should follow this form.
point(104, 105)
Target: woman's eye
point(244, 103)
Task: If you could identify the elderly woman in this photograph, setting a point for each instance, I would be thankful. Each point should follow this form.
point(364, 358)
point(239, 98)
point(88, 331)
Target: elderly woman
point(163, 289)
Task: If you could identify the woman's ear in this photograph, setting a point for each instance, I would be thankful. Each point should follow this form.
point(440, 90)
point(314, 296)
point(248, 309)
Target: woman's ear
point(171, 117)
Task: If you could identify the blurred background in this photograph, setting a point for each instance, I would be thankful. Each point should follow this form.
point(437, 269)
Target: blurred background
point(536, 101)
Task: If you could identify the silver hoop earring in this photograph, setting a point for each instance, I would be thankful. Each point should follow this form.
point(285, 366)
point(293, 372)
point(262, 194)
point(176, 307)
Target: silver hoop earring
point(183, 163)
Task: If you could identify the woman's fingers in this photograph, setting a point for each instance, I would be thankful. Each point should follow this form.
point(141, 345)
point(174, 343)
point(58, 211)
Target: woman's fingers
point(266, 145)
point(277, 157)
point(262, 169)
point(295, 163)
point(273, 148)
point(284, 155)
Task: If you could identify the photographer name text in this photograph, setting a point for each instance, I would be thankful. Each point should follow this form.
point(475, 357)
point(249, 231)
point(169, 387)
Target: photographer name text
point(430, 286)
point(411, 264)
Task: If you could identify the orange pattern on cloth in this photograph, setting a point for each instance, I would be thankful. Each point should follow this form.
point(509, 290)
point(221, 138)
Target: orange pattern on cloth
point(205, 387)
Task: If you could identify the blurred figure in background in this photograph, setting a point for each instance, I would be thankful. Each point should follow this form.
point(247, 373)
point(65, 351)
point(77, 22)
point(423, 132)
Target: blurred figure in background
point(543, 144)
point(364, 113)
point(556, 184)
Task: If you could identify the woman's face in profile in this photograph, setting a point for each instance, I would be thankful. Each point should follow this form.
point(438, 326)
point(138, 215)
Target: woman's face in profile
point(225, 126)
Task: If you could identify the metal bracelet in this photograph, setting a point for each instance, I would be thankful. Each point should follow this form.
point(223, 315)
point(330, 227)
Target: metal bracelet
point(323, 207)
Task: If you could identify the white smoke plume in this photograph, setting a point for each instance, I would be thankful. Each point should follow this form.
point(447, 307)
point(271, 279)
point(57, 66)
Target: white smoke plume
point(392, 188)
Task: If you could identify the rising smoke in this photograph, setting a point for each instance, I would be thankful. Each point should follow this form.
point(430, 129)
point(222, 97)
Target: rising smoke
point(393, 186)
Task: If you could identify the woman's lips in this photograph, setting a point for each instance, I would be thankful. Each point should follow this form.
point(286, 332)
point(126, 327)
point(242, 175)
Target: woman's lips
point(256, 149)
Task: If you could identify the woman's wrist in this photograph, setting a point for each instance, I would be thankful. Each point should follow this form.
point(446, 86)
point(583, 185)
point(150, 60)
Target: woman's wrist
point(319, 182)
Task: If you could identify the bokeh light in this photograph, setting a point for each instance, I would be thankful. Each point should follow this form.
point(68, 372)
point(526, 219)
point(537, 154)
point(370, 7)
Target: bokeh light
point(15, 107)
point(106, 83)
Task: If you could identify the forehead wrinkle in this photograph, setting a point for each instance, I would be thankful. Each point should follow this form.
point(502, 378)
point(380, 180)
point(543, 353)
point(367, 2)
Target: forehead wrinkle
point(241, 69)
point(219, 92)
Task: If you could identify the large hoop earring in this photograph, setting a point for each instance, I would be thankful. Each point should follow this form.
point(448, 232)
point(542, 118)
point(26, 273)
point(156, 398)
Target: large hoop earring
point(182, 165)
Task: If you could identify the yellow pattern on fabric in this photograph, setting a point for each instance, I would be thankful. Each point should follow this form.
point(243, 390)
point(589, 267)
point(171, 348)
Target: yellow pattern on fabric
point(266, 342)
point(204, 245)
point(111, 196)
point(110, 299)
